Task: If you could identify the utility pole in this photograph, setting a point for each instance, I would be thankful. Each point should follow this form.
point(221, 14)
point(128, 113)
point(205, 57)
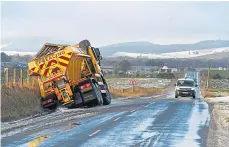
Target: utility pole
point(228, 65)
point(208, 76)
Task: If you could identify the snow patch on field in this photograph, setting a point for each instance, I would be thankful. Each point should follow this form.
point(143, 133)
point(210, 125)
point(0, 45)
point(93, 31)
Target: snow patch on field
point(182, 54)
point(123, 83)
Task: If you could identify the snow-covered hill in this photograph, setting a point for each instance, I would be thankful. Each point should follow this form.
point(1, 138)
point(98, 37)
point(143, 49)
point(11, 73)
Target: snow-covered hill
point(10, 53)
point(182, 54)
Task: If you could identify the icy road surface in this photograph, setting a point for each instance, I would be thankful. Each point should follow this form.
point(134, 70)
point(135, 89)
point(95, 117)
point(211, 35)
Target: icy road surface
point(157, 121)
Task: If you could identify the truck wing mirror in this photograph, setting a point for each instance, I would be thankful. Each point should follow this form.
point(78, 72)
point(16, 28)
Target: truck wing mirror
point(98, 54)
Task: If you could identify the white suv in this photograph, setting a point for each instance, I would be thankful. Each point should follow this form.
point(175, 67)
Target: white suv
point(185, 87)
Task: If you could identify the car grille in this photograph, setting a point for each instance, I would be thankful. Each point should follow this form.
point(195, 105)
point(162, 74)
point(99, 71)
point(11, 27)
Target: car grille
point(185, 89)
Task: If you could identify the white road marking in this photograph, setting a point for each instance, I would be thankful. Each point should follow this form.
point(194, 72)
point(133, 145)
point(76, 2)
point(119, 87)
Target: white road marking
point(132, 111)
point(147, 105)
point(117, 118)
point(92, 134)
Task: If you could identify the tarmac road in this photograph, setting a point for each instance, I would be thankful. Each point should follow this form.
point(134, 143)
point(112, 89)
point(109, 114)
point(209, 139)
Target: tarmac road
point(157, 121)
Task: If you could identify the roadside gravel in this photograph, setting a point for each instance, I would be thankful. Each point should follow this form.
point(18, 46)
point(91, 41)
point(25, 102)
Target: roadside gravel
point(218, 135)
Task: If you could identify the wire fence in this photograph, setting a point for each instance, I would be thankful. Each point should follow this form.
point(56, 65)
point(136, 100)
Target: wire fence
point(136, 91)
point(20, 77)
point(17, 77)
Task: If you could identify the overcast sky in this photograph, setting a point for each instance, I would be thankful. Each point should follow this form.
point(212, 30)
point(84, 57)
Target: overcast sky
point(106, 23)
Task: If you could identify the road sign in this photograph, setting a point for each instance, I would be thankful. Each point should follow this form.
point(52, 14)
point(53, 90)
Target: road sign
point(5, 70)
point(133, 82)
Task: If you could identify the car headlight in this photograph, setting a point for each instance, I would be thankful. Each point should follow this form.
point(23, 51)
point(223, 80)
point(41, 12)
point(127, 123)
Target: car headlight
point(192, 88)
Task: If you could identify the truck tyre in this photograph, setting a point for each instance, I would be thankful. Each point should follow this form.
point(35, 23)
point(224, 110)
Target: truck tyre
point(52, 106)
point(99, 98)
point(106, 96)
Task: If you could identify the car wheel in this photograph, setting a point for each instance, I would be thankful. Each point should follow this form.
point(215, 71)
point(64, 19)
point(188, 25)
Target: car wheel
point(176, 95)
point(194, 96)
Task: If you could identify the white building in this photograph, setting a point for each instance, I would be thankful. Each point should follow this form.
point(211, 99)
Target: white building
point(165, 69)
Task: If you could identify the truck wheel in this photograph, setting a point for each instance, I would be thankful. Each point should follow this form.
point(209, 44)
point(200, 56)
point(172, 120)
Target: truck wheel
point(106, 96)
point(99, 98)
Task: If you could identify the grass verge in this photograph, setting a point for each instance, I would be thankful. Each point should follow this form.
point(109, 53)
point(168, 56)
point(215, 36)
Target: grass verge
point(136, 92)
point(214, 92)
point(17, 102)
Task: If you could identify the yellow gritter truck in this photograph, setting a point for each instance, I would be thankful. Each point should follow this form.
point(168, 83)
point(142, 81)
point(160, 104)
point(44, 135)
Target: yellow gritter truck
point(70, 76)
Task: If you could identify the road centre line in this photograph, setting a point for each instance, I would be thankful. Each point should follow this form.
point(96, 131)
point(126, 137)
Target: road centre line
point(117, 118)
point(132, 110)
point(147, 105)
point(92, 134)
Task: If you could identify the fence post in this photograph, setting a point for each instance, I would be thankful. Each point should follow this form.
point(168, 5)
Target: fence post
point(111, 88)
point(7, 76)
point(208, 77)
point(28, 78)
point(14, 80)
point(21, 78)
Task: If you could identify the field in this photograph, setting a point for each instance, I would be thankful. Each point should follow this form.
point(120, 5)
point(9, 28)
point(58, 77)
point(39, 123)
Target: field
point(124, 83)
point(222, 73)
point(216, 88)
point(151, 75)
point(144, 86)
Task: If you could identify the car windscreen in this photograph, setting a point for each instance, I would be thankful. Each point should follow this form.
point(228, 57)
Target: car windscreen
point(185, 83)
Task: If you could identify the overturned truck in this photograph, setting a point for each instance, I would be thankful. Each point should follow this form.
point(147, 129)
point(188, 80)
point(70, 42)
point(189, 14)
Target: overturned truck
point(70, 76)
